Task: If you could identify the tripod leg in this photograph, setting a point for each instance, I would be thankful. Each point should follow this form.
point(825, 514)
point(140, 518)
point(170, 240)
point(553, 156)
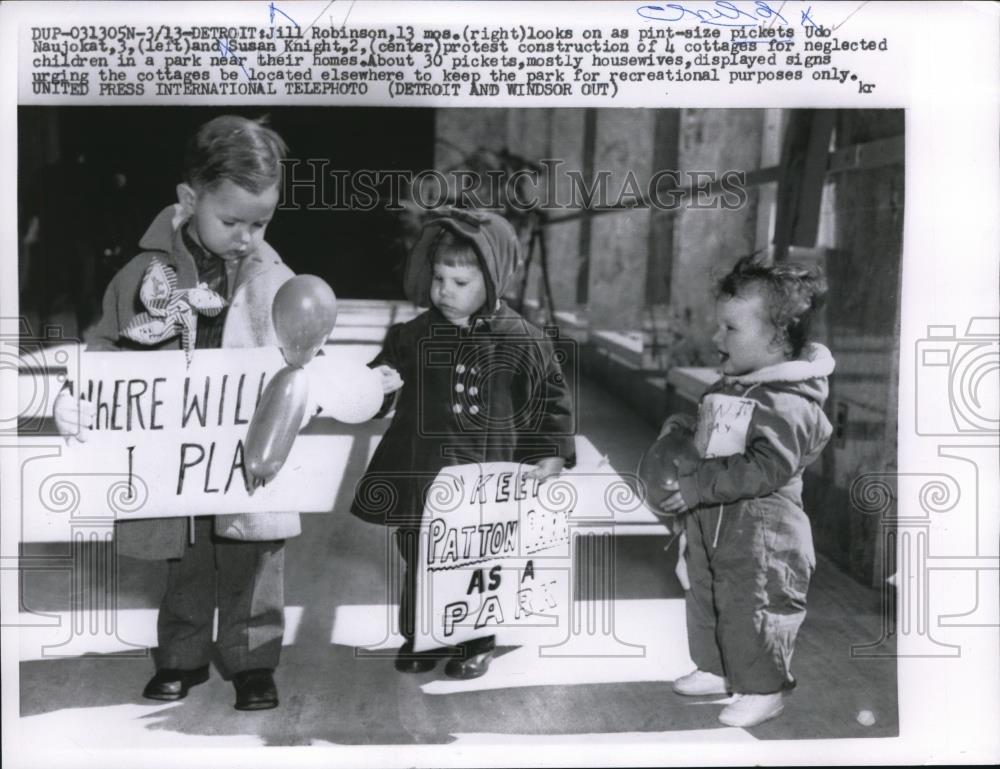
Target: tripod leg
point(523, 291)
point(550, 307)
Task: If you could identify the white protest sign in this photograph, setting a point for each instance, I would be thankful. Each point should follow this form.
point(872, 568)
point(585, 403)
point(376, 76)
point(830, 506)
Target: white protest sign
point(168, 440)
point(495, 551)
point(723, 422)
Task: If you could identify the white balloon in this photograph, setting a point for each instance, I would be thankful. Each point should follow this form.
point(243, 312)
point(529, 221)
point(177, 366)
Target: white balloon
point(349, 392)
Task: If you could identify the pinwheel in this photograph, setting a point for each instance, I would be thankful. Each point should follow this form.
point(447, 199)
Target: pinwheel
point(170, 310)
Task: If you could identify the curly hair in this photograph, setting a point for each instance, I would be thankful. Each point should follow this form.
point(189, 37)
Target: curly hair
point(792, 294)
point(246, 152)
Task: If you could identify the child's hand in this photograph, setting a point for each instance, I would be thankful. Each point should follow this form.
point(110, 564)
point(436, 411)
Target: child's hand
point(546, 468)
point(391, 380)
point(674, 504)
point(74, 417)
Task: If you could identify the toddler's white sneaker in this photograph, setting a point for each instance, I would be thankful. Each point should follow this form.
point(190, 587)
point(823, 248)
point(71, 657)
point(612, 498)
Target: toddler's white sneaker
point(751, 709)
point(699, 683)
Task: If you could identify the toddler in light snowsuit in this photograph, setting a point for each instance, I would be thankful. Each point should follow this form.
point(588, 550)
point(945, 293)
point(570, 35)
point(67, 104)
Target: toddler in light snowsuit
point(749, 550)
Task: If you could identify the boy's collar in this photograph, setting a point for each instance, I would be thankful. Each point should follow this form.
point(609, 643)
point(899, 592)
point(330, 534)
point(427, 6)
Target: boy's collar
point(159, 236)
point(180, 216)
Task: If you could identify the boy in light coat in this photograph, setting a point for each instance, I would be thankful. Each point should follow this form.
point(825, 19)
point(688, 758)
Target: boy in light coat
point(213, 237)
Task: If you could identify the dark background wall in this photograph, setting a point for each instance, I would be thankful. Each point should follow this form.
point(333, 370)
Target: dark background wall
point(96, 176)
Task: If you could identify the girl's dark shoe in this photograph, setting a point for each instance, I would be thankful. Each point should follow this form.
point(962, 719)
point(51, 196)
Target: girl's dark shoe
point(473, 667)
point(409, 661)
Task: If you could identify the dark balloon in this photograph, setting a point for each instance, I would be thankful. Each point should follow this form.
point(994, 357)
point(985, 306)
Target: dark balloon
point(304, 313)
point(275, 425)
point(658, 468)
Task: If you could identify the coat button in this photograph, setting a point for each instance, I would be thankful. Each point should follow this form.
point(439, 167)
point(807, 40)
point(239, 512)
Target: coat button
point(473, 391)
point(460, 369)
point(457, 408)
point(460, 388)
point(473, 409)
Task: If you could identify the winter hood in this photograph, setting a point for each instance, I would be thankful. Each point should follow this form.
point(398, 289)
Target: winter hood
point(805, 376)
point(493, 238)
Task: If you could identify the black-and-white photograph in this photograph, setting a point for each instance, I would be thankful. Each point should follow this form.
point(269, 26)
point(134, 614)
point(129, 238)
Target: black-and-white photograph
point(710, 299)
point(474, 430)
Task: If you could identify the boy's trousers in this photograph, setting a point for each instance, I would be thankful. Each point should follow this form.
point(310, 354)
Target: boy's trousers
point(408, 542)
point(247, 581)
point(749, 579)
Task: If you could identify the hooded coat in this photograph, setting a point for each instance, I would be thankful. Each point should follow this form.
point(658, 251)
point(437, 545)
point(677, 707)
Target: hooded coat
point(492, 392)
point(785, 433)
point(247, 324)
point(749, 543)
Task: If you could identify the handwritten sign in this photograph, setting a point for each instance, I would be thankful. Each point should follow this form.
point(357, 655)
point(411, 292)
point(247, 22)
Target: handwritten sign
point(495, 551)
point(723, 422)
point(168, 440)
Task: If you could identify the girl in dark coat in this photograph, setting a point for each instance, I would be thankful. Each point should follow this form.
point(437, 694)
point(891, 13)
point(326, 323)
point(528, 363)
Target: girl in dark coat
point(478, 384)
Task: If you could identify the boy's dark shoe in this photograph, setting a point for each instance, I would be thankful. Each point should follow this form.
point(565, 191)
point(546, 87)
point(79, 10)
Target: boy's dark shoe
point(172, 684)
point(255, 689)
point(409, 661)
point(473, 667)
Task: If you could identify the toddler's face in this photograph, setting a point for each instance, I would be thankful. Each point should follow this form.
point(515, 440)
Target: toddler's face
point(228, 220)
point(745, 337)
point(458, 291)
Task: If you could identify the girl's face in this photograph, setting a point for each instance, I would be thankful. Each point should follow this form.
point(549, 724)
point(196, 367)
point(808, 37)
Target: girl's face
point(228, 220)
point(745, 337)
point(458, 291)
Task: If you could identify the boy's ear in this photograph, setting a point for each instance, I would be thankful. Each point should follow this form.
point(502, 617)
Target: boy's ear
point(187, 197)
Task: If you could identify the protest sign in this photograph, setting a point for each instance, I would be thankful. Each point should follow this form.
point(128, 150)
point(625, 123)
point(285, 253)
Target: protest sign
point(723, 423)
point(168, 440)
point(495, 551)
